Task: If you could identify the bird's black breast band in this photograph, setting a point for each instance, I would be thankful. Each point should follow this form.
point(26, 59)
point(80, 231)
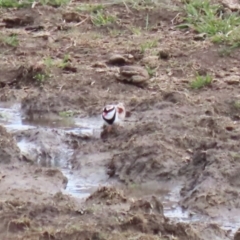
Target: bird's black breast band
point(110, 121)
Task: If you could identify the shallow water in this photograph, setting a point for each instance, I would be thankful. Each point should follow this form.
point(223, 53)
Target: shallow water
point(82, 186)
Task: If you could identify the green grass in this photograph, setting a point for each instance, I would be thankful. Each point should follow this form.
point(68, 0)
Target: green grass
point(66, 114)
point(226, 51)
point(148, 45)
point(90, 8)
point(27, 3)
point(208, 18)
point(151, 71)
point(11, 40)
point(14, 3)
point(55, 3)
point(64, 62)
point(101, 18)
point(236, 104)
point(48, 62)
point(201, 81)
point(135, 30)
point(41, 78)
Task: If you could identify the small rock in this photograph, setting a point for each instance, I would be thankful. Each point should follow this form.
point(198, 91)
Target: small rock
point(117, 59)
point(137, 54)
point(130, 56)
point(18, 21)
point(34, 28)
point(99, 65)
point(151, 61)
point(200, 37)
point(69, 68)
point(231, 80)
point(71, 17)
point(234, 69)
point(220, 74)
point(163, 54)
point(133, 74)
point(202, 72)
point(229, 128)
point(233, 5)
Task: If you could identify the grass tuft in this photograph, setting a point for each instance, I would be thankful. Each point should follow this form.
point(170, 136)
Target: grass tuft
point(11, 40)
point(102, 19)
point(151, 71)
point(211, 19)
point(90, 8)
point(236, 104)
point(54, 3)
point(28, 3)
point(148, 45)
point(14, 3)
point(201, 81)
point(66, 114)
point(98, 16)
point(41, 78)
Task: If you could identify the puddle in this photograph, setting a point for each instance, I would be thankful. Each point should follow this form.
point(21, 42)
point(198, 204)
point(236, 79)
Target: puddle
point(10, 117)
point(86, 181)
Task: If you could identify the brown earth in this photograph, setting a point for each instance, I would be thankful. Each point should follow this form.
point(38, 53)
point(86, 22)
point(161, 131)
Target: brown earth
point(63, 62)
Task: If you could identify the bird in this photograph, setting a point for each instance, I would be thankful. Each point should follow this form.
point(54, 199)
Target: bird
point(113, 115)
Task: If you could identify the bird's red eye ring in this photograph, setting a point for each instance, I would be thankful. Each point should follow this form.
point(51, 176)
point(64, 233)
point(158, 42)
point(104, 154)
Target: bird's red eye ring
point(120, 110)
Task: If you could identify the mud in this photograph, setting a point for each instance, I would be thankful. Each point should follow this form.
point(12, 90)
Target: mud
point(171, 170)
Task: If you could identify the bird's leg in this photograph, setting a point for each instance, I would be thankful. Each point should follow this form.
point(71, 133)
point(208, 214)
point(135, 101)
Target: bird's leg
point(109, 129)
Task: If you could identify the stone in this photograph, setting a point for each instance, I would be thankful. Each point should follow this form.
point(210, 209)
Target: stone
point(133, 74)
point(151, 61)
point(117, 59)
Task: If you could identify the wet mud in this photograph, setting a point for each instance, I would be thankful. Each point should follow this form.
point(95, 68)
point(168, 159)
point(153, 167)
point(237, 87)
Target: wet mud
point(123, 174)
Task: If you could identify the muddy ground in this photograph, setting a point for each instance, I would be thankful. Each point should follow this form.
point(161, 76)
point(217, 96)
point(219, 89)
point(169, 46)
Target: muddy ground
point(58, 63)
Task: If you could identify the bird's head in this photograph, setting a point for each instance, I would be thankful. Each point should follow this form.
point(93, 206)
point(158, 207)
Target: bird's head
point(108, 111)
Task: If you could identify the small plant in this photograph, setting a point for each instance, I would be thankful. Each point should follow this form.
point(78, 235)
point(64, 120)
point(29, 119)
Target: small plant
point(151, 71)
point(48, 62)
point(135, 30)
point(90, 8)
point(66, 114)
point(27, 3)
point(147, 22)
point(102, 19)
point(225, 51)
point(54, 3)
point(148, 45)
point(201, 81)
point(235, 156)
point(208, 18)
point(64, 62)
point(142, 4)
point(236, 104)
point(10, 41)
point(41, 77)
point(15, 3)
point(114, 32)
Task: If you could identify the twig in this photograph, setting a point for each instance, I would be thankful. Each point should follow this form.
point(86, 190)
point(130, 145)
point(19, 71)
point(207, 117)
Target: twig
point(82, 21)
point(126, 6)
point(172, 21)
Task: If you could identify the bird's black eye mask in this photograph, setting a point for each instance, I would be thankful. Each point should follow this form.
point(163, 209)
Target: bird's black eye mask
point(107, 110)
